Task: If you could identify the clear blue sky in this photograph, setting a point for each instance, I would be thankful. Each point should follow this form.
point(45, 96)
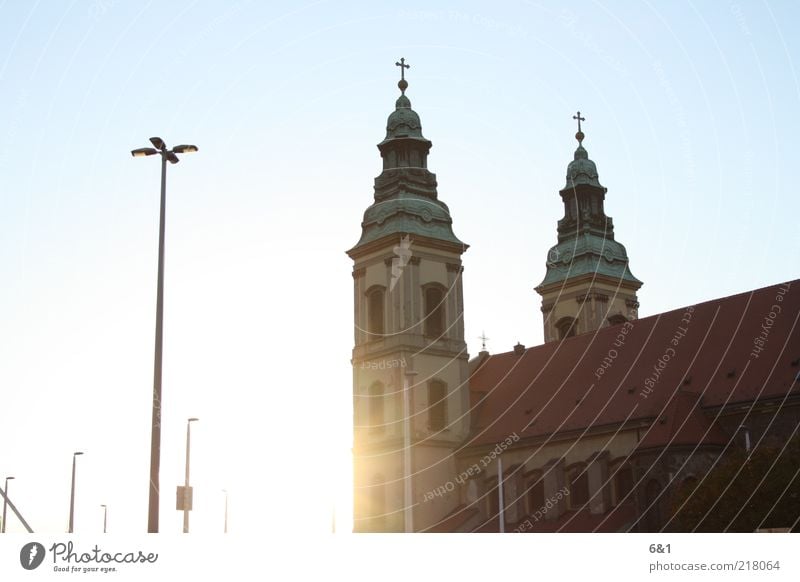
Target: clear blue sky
point(692, 120)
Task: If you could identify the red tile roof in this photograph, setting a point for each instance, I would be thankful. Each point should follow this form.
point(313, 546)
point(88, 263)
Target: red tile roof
point(669, 366)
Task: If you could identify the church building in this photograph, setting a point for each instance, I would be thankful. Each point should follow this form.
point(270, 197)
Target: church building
point(594, 430)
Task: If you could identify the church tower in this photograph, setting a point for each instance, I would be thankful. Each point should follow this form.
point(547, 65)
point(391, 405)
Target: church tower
point(588, 284)
point(410, 373)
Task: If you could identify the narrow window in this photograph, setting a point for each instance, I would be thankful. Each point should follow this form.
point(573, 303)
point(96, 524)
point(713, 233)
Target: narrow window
point(578, 488)
point(493, 499)
point(437, 405)
point(623, 481)
point(652, 495)
point(536, 496)
point(375, 313)
point(434, 312)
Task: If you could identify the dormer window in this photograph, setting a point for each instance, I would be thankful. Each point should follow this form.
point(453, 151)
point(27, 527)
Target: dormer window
point(566, 327)
point(617, 319)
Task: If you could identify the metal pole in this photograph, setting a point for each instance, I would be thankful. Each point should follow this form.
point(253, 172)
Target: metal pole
point(155, 434)
point(72, 496)
point(408, 510)
point(501, 514)
point(186, 483)
point(5, 502)
point(226, 512)
point(16, 512)
point(105, 517)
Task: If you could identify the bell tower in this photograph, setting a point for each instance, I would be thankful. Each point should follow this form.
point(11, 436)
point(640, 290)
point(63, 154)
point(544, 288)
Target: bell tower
point(410, 393)
point(588, 284)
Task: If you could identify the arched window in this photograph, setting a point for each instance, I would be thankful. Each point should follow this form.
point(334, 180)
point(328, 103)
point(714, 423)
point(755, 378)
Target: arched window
point(536, 495)
point(434, 311)
point(623, 483)
point(376, 415)
point(566, 327)
point(493, 498)
point(617, 319)
point(437, 405)
point(578, 487)
point(652, 493)
point(377, 503)
point(375, 311)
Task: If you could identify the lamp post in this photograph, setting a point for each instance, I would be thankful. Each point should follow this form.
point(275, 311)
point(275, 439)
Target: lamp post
point(5, 502)
point(186, 484)
point(72, 493)
point(167, 155)
point(746, 436)
point(225, 491)
point(408, 494)
point(105, 516)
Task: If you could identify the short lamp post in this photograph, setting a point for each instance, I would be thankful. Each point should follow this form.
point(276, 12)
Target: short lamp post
point(167, 155)
point(186, 489)
point(5, 502)
point(72, 494)
point(225, 530)
point(105, 517)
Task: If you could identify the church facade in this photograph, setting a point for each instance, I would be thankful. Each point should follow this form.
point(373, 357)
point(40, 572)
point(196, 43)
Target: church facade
point(596, 429)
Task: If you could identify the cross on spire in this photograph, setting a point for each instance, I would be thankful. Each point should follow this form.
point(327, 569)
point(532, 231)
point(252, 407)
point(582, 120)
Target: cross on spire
point(403, 66)
point(483, 339)
point(402, 83)
point(579, 118)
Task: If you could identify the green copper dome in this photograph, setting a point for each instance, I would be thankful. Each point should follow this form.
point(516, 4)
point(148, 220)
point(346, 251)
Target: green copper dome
point(406, 199)
point(404, 121)
point(588, 254)
point(582, 170)
point(586, 244)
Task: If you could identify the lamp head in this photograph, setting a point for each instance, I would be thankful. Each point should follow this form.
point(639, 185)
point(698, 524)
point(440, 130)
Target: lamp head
point(142, 152)
point(158, 143)
point(184, 149)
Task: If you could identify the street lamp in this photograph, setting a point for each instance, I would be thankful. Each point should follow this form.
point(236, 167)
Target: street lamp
point(72, 493)
point(408, 493)
point(105, 516)
point(5, 502)
point(186, 484)
point(167, 155)
point(225, 491)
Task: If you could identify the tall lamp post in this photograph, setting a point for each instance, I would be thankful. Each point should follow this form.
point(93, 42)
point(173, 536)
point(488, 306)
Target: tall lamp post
point(72, 494)
point(186, 484)
point(5, 502)
point(167, 155)
point(105, 516)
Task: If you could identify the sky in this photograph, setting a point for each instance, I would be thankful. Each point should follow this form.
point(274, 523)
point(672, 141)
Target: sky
point(691, 118)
